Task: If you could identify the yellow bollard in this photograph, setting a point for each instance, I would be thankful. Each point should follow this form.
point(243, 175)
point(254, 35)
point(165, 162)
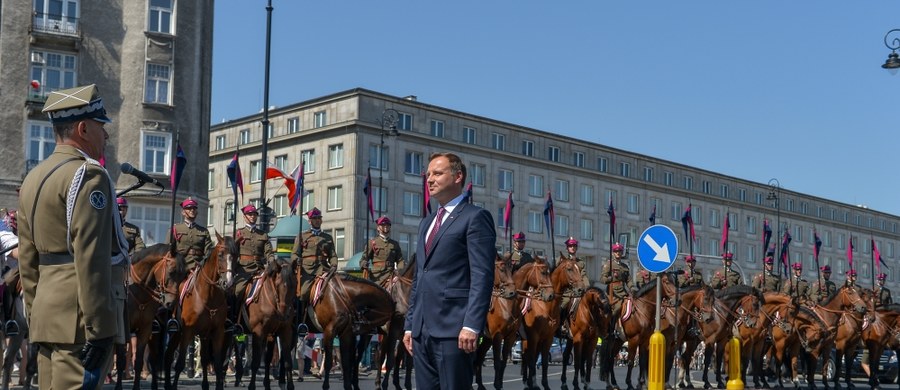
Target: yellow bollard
point(734, 365)
point(655, 379)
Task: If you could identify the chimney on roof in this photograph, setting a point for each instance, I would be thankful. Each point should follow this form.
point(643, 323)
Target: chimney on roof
point(411, 98)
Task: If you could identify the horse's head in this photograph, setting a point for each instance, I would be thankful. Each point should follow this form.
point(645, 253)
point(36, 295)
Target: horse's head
point(170, 276)
point(851, 299)
point(535, 276)
point(566, 277)
point(156, 270)
point(748, 310)
point(600, 307)
point(503, 280)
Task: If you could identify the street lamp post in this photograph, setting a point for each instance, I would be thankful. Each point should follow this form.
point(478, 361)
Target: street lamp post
point(893, 62)
point(774, 195)
point(389, 118)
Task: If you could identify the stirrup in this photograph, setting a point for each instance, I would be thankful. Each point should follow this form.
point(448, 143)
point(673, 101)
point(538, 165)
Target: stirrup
point(155, 328)
point(11, 328)
point(302, 330)
point(173, 326)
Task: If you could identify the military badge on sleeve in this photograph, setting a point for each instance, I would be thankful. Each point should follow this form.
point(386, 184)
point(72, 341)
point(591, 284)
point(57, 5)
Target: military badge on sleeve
point(98, 200)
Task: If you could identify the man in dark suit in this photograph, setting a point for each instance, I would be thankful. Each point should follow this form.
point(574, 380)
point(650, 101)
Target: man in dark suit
point(451, 291)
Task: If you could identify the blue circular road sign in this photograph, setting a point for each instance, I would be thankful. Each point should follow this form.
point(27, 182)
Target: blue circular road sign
point(657, 248)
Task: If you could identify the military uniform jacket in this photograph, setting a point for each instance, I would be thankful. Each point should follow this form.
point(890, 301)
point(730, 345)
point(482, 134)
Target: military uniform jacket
point(731, 278)
point(133, 236)
point(768, 283)
point(305, 247)
point(796, 286)
point(583, 268)
point(255, 248)
point(193, 242)
point(690, 277)
point(520, 258)
point(66, 266)
point(820, 293)
point(382, 255)
point(618, 280)
point(882, 297)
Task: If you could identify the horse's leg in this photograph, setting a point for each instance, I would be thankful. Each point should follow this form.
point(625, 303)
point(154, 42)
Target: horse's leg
point(577, 357)
point(142, 338)
point(182, 356)
point(720, 357)
point(205, 354)
point(500, 362)
point(348, 359)
point(838, 361)
point(268, 353)
point(487, 343)
point(362, 345)
point(545, 365)
point(256, 342)
point(287, 337)
point(565, 363)
point(848, 365)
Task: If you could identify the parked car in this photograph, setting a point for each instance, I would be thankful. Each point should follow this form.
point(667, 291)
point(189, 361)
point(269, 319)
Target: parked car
point(556, 352)
point(888, 368)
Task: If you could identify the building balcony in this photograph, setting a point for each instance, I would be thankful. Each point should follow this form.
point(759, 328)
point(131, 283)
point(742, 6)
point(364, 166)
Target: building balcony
point(56, 30)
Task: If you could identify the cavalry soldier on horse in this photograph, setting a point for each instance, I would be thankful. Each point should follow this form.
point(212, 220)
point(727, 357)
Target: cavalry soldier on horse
point(882, 294)
point(729, 278)
point(823, 288)
point(797, 286)
point(690, 276)
point(255, 249)
point(767, 281)
point(851, 279)
point(518, 257)
point(566, 303)
point(192, 240)
point(382, 253)
point(617, 279)
point(132, 232)
point(304, 253)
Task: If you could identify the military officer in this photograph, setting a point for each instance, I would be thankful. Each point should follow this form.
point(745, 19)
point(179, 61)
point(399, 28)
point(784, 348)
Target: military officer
point(616, 278)
point(796, 285)
point(518, 256)
point(851, 279)
point(305, 253)
point(644, 279)
point(193, 241)
point(729, 278)
point(690, 276)
point(825, 288)
point(882, 294)
point(255, 250)
point(566, 303)
point(382, 253)
point(767, 281)
point(72, 251)
point(132, 232)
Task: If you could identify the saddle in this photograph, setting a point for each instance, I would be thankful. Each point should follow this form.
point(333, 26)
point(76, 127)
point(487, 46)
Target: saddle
point(252, 289)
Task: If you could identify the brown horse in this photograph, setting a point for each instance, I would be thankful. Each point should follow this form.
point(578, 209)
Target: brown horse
point(540, 316)
point(590, 321)
point(806, 331)
point(776, 309)
point(271, 318)
point(346, 306)
point(155, 276)
point(883, 332)
point(203, 311)
point(568, 285)
point(503, 319)
point(399, 286)
point(844, 313)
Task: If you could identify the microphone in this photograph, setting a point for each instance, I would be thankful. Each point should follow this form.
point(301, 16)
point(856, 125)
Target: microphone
point(130, 170)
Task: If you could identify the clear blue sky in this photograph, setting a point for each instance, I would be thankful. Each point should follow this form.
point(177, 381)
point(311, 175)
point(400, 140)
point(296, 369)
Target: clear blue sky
point(757, 90)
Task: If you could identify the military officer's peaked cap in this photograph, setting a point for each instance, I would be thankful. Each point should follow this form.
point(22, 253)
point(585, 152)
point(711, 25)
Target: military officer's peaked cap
point(383, 221)
point(519, 236)
point(314, 213)
point(249, 209)
point(75, 104)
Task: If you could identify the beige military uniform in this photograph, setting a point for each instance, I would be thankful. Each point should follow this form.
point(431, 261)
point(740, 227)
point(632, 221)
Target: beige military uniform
point(731, 278)
point(381, 257)
point(820, 294)
point(255, 249)
point(618, 281)
point(690, 277)
point(519, 259)
point(768, 283)
point(882, 297)
point(193, 242)
point(306, 246)
point(73, 291)
point(133, 236)
point(796, 286)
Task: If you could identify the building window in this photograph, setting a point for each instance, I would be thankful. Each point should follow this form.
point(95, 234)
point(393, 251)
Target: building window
point(56, 16)
point(41, 142)
point(578, 159)
point(751, 253)
point(412, 204)
point(413, 163)
point(634, 203)
point(477, 174)
point(54, 71)
point(714, 218)
point(211, 179)
point(759, 198)
point(340, 243)
point(335, 198)
point(697, 214)
point(790, 205)
point(154, 222)
point(669, 178)
point(826, 239)
point(404, 121)
point(798, 234)
point(648, 174)
point(536, 185)
point(220, 142)
point(160, 16)
point(733, 222)
point(379, 199)
point(707, 187)
point(244, 137)
point(378, 157)
point(587, 230)
point(535, 222)
point(308, 157)
point(271, 131)
point(469, 135)
point(676, 211)
point(528, 148)
point(602, 164)
point(498, 141)
point(688, 183)
point(255, 171)
point(742, 195)
point(723, 190)
point(553, 153)
point(562, 225)
point(281, 162)
point(280, 205)
point(156, 152)
point(336, 156)
point(157, 84)
point(309, 199)
point(587, 195)
point(625, 169)
point(437, 128)
point(293, 125)
point(561, 190)
point(505, 180)
point(751, 224)
point(320, 119)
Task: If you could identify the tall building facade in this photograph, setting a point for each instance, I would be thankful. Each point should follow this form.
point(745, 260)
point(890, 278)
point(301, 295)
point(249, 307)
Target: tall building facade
point(151, 60)
point(339, 138)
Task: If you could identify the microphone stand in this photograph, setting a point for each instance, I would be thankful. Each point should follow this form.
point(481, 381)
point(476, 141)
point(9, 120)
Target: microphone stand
point(133, 187)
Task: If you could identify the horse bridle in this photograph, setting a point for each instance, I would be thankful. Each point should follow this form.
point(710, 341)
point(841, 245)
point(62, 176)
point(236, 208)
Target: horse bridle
point(537, 291)
point(507, 288)
point(158, 294)
point(571, 291)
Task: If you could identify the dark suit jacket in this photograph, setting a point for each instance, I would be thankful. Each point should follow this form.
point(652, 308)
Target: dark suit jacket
point(452, 286)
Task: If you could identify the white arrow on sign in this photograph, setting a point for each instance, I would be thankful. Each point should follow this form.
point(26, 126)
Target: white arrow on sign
point(662, 253)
